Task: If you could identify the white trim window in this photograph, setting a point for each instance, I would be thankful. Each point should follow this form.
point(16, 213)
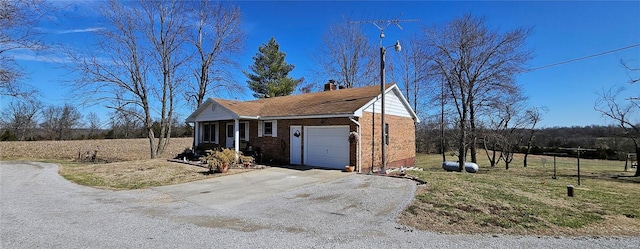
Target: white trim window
point(244, 131)
point(268, 128)
point(209, 132)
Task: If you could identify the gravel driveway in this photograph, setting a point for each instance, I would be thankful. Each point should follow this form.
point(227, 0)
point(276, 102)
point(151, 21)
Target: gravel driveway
point(42, 210)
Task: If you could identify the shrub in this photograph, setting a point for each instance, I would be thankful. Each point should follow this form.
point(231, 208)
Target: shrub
point(219, 159)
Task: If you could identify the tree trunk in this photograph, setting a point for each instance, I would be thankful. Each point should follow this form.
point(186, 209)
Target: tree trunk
point(461, 145)
point(472, 124)
point(492, 158)
point(461, 159)
point(462, 149)
point(529, 143)
point(474, 158)
point(152, 142)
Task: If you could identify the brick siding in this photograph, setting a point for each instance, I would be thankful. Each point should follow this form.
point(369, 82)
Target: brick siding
point(402, 143)
point(400, 152)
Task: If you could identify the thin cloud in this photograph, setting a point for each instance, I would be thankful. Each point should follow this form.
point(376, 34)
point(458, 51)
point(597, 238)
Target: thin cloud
point(87, 30)
point(40, 58)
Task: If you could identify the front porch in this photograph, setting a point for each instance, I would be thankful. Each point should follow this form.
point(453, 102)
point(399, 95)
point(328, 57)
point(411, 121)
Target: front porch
point(232, 134)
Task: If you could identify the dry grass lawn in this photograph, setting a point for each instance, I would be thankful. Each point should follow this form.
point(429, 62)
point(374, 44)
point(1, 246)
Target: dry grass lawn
point(136, 174)
point(121, 163)
point(527, 200)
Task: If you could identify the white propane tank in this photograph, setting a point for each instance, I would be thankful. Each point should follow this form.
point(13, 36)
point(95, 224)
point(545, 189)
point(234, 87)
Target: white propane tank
point(450, 166)
point(453, 166)
point(470, 167)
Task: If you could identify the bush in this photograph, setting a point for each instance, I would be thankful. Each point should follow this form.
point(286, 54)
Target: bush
point(219, 159)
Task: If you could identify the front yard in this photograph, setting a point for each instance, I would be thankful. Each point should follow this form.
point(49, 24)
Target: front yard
point(527, 200)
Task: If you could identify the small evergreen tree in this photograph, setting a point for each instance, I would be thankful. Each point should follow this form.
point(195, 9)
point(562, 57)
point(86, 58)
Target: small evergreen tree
point(270, 77)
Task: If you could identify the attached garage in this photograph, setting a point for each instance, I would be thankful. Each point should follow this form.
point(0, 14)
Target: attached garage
point(326, 146)
point(312, 129)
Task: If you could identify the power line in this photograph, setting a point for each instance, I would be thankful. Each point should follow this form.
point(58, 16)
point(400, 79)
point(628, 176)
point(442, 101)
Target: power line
point(582, 58)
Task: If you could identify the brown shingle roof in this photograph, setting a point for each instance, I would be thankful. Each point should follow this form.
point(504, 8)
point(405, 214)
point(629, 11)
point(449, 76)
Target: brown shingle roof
point(343, 101)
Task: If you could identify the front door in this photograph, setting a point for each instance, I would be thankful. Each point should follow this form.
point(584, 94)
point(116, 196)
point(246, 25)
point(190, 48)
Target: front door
point(295, 150)
point(230, 131)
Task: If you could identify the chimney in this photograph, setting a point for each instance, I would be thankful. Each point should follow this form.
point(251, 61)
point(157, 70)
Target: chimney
point(331, 86)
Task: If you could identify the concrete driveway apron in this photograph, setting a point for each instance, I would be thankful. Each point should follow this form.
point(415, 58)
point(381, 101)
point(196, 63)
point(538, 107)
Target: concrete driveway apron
point(229, 191)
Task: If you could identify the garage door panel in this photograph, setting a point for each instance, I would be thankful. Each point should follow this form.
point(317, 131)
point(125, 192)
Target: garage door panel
point(327, 146)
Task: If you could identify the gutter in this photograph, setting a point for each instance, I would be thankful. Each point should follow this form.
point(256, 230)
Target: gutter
point(249, 117)
point(340, 115)
point(359, 164)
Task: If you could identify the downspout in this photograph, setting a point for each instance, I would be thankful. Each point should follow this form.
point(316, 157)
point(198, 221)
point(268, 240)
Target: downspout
point(359, 164)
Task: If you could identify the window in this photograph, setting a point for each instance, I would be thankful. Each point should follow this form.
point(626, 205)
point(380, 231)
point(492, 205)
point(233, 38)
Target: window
point(268, 128)
point(386, 133)
point(243, 131)
point(208, 133)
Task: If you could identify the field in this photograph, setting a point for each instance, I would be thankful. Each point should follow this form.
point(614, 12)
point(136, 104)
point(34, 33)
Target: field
point(108, 150)
point(121, 164)
point(515, 201)
point(527, 200)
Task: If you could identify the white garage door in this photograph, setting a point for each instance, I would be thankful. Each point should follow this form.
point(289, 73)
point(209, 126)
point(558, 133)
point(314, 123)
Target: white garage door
point(326, 146)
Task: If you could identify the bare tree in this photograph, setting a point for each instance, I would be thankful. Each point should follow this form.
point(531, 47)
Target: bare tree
point(93, 124)
point(507, 127)
point(125, 125)
point(218, 39)
point(477, 64)
point(413, 67)
point(623, 111)
point(533, 115)
point(20, 118)
point(491, 138)
point(504, 132)
point(346, 55)
point(140, 63)
point(18, 19)
point(59, 121)
point(632, 78)
point(501, 127)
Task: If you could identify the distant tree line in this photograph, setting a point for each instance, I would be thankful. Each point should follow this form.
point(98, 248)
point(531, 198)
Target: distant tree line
point(609, 142)
point(28, 120)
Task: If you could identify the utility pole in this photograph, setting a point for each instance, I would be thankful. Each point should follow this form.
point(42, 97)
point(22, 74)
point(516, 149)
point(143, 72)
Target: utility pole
point(382, 25)
point(444, 157)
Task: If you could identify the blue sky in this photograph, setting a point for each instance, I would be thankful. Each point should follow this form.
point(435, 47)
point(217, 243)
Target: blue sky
point(561, 31)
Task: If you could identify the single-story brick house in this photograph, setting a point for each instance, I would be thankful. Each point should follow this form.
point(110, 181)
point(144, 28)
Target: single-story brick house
point(330, 129)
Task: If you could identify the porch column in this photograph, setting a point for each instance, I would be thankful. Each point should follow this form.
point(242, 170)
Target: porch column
point(195, 135)
point(236, 136)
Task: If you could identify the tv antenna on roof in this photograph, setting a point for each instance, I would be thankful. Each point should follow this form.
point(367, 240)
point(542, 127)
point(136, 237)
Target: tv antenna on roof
point(383, 24)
